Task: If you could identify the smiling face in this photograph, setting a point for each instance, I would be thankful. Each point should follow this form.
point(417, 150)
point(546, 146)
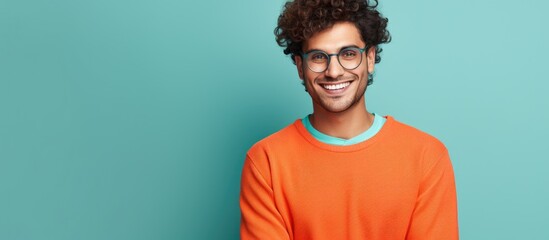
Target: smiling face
point(336, 89)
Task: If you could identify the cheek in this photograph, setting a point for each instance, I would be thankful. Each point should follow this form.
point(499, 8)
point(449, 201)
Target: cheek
point(310, 77)
point(361, 73)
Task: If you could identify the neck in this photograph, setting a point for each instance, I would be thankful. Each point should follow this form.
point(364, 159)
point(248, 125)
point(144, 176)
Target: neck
point(346, 124)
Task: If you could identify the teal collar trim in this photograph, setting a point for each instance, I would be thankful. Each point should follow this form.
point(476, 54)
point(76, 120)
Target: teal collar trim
point(372, 131)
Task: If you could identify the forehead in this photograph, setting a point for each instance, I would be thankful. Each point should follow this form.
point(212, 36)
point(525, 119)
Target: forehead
point(334, 38)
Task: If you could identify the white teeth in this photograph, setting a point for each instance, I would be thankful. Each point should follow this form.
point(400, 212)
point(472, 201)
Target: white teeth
point(336, 86)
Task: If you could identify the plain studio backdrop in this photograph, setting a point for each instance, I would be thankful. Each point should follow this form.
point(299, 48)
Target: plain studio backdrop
point(131, 119)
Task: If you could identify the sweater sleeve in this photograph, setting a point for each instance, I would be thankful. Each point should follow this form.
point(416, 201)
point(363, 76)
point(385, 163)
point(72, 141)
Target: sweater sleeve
point(435, 214)
point(260, 217)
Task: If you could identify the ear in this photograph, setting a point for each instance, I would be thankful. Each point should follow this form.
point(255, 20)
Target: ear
point(371, 58)
point(299, 66)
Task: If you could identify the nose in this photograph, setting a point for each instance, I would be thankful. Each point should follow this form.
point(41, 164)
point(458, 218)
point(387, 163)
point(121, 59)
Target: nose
point(334, 69)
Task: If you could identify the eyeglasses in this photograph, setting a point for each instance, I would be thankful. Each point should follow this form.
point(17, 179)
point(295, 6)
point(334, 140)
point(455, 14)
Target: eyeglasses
point(349, 58)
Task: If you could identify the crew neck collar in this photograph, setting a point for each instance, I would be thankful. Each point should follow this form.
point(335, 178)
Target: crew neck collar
point(347, 148)
point(377, 124)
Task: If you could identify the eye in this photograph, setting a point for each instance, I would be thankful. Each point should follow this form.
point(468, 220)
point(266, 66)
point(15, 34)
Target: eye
point(348, 53)
point(317, 57)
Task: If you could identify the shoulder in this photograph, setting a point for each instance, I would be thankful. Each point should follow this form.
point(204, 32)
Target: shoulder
point(280, 141)
point(263, 154)
point(405, 135)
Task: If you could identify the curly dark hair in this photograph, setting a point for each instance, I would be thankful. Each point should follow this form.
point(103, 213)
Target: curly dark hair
point(300, 19)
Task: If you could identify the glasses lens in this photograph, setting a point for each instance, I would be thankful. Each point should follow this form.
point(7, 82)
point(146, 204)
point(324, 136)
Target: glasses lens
point(317, 61)
point(350, 58)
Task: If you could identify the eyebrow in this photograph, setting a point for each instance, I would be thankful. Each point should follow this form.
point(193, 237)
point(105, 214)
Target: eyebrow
point(316, 49)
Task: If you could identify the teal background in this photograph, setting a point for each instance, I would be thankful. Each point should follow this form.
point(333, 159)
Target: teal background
point(131, 119)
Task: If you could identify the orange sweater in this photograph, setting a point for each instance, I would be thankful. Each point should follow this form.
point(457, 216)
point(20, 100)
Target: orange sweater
point(398, 184)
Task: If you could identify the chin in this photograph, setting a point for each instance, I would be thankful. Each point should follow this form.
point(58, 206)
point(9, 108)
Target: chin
point(337, 108)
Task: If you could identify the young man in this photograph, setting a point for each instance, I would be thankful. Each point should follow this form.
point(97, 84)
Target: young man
point(343, 172)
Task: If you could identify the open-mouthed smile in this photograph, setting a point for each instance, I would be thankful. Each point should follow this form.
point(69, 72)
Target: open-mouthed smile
point(336, 86)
